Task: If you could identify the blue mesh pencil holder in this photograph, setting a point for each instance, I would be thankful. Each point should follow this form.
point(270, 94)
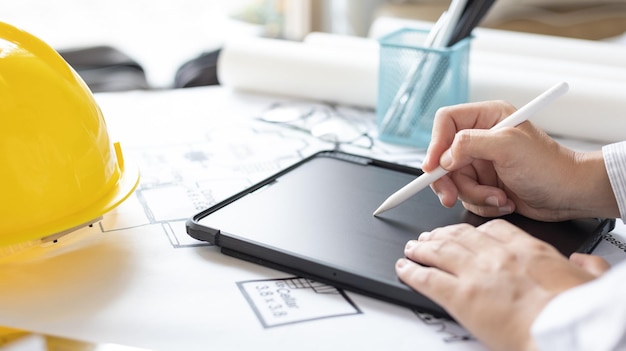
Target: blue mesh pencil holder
point(414, 82)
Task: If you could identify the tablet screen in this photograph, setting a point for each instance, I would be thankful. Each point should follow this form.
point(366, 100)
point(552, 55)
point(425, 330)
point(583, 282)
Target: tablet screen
point(316, 220)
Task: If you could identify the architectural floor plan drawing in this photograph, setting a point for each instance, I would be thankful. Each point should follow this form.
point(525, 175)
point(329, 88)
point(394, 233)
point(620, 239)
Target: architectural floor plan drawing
point(136, 273)
point(180, 177)
point(183, 177)
point(180, 180)
point(294, 300)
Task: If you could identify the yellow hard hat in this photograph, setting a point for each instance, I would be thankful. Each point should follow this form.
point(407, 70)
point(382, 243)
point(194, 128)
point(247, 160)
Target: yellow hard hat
point(58, 168)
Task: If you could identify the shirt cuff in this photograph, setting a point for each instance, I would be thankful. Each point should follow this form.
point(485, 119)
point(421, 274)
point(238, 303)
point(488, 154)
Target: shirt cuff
point(615, 163)
point(591, 316)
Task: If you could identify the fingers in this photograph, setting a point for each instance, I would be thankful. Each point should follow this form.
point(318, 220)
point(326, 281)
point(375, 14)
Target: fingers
point(479, 194)
point(433, 283)
point(506, 233)
point(439, 260)
point(453, 248)
point(594, 265)
point(492, 208)
point(446, 190)
point(479, 189)
point(462, 130)
point(442, 248)
point(452, 119)
point(496, 146)
point(479, 160)
point(494, 279)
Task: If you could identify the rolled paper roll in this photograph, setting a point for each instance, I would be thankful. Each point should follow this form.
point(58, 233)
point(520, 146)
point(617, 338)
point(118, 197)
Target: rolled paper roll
point(344, 70)
point(295, 69)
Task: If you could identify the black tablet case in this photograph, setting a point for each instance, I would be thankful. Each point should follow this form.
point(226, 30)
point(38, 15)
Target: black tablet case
point(315, 220)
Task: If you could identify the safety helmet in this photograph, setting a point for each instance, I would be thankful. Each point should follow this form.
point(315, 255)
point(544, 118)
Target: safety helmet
point(58, 168)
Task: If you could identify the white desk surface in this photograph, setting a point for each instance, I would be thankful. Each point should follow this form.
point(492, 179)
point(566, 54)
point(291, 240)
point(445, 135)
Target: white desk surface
point(138, 279)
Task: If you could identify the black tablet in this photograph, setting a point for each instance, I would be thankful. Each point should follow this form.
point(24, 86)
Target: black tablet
point(314, 219)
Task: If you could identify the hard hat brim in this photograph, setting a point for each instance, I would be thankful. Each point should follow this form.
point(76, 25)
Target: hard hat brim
point(125, 187)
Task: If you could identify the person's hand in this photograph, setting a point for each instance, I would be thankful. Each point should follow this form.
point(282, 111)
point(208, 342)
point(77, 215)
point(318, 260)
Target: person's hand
point(493, 279)
point(517, 169)
point(595, 265)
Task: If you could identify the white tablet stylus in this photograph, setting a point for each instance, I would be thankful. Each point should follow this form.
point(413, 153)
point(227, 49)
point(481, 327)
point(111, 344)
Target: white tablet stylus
point(513, 120)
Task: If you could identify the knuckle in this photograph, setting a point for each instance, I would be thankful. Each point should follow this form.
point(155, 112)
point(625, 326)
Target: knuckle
point(451, 231)
point(442, 112)
point(501, 262)
point(541, 247)
point(469, 291)
point(508, 134)
point(505, 107)
point(424, 276)
point(495, 225)
point(462, 139)
point(437, 246)
point(507, 258)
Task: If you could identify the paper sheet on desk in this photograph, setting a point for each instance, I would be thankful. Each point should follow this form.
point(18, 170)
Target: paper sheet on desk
point(344, 70)
point(137, 279)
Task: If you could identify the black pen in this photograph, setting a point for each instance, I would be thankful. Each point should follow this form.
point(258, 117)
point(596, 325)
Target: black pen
point(474, 12)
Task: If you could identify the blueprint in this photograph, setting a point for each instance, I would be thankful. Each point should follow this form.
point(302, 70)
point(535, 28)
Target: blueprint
point(136, 278)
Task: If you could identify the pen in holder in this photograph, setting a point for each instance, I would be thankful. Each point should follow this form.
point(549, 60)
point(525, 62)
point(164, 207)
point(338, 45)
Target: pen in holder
point(414, 82)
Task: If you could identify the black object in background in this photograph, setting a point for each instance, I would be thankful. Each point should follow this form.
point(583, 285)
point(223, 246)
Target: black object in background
point(199, 71)
point(105, 68)
point(315, 220)
point(473, 14)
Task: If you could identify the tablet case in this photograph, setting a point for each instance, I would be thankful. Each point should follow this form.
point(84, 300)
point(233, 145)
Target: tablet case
point(314, 219)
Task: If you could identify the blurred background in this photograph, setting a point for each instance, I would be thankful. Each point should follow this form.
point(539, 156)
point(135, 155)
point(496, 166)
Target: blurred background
point(161, 35)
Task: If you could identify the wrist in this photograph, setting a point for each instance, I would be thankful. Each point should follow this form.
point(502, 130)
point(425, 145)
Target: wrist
point(591, 191)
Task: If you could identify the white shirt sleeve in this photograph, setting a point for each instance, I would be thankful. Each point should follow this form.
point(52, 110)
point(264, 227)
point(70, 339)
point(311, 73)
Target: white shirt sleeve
point(615, 163)
point(591, 316)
